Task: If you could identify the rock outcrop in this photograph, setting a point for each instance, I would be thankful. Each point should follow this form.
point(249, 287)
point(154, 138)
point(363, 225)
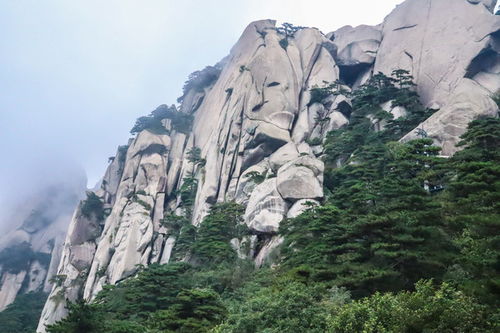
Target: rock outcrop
point(443, 43)
point(257, 132)
point(30, 251)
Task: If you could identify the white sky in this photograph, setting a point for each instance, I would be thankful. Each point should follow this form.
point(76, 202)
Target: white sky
point(74, 75)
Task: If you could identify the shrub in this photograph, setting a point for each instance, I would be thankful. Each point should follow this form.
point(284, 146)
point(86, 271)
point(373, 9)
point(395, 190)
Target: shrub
point(17, 258)
point(181, 122)
point(256, 177)
point(194, 310)
point(314, 141)
point(428, 309)
point(223, 223)
point(318, 94)
point(199, 80)
point(284, 43)
point(92, 207)
point(23, 314)
point(194, 156)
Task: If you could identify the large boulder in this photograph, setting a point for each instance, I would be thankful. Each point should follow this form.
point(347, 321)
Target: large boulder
point(301, 179)
point(468, 102)
point(356, 49)
point(436, 40)
point(266, 208)
point(283, 155)
point(301, 206)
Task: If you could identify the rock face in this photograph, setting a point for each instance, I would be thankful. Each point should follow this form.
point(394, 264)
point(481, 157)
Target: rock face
point(257, 132)
point(443, 43)
point(39, 227)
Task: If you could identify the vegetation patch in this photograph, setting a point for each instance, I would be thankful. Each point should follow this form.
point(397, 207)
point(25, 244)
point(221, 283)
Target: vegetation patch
point(92, 207)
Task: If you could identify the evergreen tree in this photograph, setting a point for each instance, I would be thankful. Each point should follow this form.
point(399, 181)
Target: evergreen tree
point(193, 311)
point(223, 223)
point(473, 209)
point(388, 232)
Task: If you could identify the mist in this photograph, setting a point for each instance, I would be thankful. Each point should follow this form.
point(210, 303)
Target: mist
point(74, 75)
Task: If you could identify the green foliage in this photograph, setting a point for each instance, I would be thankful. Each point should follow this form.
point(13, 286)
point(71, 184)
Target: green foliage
point(152, 289)
point(256, 177)
point(152, 124)
point(92, 207)
point(184, 241)
point(188, 191)
point(194, 311)
point(288, 30)
point(318, 94)
point(174, 223)
point(17, 258)
point(223, 223)
point(194, 156)
point(428, 309)
point(81, 318)
point(341, 144)
point(380, 230)
point(285, 306)
point(284, 43)
point(394, 214)
point(58, 279)
point(473, 209)
point(161, 298)
point(199, 80)
point(22, 315)
point(314, 141)
point(181, 122)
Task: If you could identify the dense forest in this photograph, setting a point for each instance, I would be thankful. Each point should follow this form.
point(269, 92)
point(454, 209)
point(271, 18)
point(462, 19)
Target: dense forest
point(406, 240)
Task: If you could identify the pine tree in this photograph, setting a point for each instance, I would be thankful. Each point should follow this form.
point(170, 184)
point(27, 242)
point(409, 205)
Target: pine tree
point(473, 209)
point(388, 232)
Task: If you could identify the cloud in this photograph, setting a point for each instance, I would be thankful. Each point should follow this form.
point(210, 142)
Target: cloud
point(75, 75)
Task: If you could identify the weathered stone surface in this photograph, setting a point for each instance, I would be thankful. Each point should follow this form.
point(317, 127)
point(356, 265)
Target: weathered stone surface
point(11, 284)
point(246, 185)
point(357, 49)
point(267, 250)
point(468, 102)
point(257, 117)
point(489, 4)
point(301, 206)
point(283, 155)
point(36, 277)
point(301, 179)
point(41, 221)
point(266, 208)
point(436, 48)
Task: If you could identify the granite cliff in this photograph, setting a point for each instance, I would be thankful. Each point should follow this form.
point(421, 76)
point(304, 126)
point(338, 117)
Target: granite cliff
point(246, 130)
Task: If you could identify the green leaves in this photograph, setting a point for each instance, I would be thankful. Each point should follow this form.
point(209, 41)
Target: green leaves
point(223, 223)
point(428, 309)
point(92, 207)
point(181, 122)
point(22, 315)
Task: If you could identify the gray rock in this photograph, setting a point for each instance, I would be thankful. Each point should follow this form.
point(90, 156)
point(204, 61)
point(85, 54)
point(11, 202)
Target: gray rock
point(357, 45)
point(266, 208)
point(468, 102)
point(283, 155)
point(301, 179)
point(300, 206)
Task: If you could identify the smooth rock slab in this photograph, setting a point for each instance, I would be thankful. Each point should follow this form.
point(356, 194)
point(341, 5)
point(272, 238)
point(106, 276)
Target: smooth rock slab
point(266, 208)
point(301, 179)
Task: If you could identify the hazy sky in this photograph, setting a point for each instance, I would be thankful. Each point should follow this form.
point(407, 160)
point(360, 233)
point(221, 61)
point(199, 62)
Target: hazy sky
point(75, 74)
